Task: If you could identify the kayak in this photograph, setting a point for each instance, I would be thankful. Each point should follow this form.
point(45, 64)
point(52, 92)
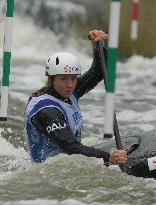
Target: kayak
point(142, 153)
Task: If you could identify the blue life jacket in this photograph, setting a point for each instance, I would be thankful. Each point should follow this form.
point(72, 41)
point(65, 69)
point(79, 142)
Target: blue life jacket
point(39, 145)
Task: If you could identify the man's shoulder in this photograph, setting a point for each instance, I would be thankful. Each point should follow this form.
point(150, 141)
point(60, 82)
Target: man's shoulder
point(39, 102)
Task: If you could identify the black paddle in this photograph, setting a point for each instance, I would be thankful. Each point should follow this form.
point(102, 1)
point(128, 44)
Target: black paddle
point(101, 45)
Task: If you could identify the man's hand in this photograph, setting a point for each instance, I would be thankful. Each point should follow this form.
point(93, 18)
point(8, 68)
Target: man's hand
point(97, 35)
point(118, 157)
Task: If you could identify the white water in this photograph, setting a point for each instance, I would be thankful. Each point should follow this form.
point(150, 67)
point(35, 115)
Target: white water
point(76, 180)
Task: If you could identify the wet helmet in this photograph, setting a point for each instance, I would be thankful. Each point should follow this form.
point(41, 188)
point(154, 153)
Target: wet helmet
point(62, 63)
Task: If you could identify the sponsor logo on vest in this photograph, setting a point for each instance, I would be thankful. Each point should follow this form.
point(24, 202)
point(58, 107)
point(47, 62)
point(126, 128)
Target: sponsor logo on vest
point(55, 126)
point(77, 117)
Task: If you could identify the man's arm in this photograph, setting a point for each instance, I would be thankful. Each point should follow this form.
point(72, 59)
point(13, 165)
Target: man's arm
point(52, 122)
point(93, 76)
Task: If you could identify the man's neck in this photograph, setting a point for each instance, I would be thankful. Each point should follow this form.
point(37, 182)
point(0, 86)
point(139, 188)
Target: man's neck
point(58, 96)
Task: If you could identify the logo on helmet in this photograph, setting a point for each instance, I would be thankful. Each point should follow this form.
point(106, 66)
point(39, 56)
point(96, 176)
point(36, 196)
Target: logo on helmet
point(70, 69)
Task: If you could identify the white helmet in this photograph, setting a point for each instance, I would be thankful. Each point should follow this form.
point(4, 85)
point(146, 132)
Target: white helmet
point(63, 63)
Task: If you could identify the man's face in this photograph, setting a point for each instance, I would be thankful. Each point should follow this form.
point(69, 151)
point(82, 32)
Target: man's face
point(65, 84)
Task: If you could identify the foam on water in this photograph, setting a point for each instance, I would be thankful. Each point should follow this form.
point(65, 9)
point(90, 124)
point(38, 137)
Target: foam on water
point(56, 202)
point(7, 149)
point(78, 179)
point(12, 158)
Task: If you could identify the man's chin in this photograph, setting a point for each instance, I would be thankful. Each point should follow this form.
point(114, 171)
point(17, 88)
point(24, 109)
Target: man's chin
point(68, 95)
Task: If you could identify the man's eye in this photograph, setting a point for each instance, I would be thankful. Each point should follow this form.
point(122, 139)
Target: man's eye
point(63, 79)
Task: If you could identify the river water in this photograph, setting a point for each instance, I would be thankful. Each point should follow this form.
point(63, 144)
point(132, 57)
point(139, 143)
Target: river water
point(75, 179)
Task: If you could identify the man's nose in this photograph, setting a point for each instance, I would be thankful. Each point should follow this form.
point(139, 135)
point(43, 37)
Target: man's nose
point(69, 83)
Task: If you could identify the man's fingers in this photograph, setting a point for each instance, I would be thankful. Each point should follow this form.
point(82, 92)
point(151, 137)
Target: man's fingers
point(118, 157)
point(120, 160)
point(97, 35)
